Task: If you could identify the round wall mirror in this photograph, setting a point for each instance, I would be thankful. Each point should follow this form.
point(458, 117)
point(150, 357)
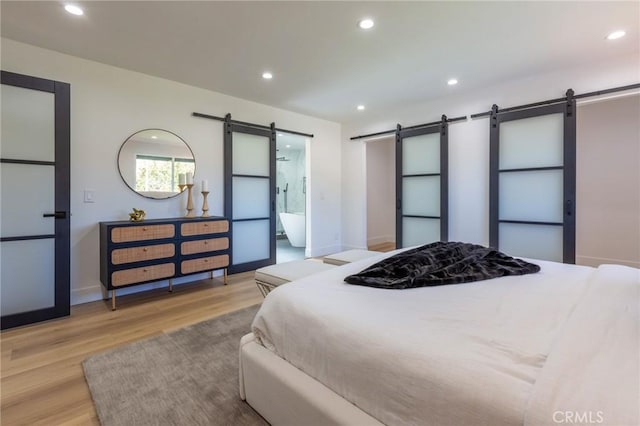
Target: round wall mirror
point(150, 162)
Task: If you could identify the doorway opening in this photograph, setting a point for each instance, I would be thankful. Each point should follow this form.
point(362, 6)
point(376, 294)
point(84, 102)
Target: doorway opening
point(291, 197)
point(381, 193)
point(608, 181)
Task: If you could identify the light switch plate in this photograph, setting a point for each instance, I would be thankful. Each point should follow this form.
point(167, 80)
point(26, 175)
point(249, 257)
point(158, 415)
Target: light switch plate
point(89, 196)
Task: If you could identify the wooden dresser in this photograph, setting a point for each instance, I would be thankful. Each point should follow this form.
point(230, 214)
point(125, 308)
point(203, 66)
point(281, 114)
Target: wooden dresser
point(133, 253)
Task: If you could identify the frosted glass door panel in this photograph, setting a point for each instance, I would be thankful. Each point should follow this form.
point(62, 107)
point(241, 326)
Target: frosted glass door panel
point(250, 197)
point(532, 142)
point(421, 196)
point(419, 231)
point(250, 154)
point(27, 193)
point(251, 241)
point(28, 126)
point(531, 196)
point(535, 241)
point(27, 276)
point(421, 154)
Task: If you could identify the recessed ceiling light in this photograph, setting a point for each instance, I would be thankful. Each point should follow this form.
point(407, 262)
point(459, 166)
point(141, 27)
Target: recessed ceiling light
point(616, 35)
point(154, 137)
point(267, 75)
point(74, 10)
point(452, 82)
point(288, 146)
point(366, 23)
point(280, 134)
point(360, 107)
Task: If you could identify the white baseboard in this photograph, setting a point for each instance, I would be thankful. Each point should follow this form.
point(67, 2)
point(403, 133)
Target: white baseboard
point(352, 247)
point(94, 292)
point(86, 294)
point(323, 251)
point(596, 261)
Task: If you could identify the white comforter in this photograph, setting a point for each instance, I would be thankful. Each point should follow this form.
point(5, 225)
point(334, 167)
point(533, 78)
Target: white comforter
point(494, 352)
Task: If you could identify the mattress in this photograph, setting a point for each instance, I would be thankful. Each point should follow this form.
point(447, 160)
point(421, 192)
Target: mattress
point(493, 352)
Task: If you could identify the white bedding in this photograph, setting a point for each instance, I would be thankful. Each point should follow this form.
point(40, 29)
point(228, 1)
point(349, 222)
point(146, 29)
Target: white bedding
point(467, 354)
point(593, 372)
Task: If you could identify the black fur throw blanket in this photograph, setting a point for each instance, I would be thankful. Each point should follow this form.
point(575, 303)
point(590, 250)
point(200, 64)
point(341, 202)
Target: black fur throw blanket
point(441, 263)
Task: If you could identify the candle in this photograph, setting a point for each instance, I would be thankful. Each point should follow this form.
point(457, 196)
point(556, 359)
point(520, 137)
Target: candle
point(189, 178)
point(205, 185)
point(181, 179)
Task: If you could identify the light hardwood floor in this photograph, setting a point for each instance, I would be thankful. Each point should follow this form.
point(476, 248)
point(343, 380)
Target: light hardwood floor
point(41, 379)
point(42, 382)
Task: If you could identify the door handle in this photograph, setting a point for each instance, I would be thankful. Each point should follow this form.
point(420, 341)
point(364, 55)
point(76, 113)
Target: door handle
point(57, 215)
point(569, 207)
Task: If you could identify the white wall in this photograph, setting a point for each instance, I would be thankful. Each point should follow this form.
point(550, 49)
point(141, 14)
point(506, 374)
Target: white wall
point(108, 104)
point(608, 182)
point(381, 191)
point(468, 142)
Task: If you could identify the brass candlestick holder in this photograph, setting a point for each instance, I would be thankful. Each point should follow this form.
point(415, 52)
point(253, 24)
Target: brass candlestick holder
point(182, 186)
point(205, 205)
point(190, 212)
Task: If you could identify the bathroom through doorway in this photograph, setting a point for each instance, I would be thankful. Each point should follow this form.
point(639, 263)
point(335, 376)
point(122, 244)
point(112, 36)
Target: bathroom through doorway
point(291, 197)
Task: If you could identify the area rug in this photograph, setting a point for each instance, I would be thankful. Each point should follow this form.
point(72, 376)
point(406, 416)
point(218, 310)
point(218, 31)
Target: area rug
point(187, 377)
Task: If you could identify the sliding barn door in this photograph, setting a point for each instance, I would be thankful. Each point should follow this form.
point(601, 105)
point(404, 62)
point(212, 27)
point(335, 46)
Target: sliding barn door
point(421, 185)
point(250, 187)
point(532, 200)
point(34, 224)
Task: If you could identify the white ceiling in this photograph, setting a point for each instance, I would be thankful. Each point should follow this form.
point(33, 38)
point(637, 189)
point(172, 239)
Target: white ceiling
point(323, 64)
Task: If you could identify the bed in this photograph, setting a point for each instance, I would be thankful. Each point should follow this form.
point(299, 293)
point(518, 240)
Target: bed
point(558, 346)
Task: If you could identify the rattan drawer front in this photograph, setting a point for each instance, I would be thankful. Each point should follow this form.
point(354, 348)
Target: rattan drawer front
point(203, 246)
point(201, 228)
point(141, 233)
point(147, 273)
point(138, 254)
point(204, 264)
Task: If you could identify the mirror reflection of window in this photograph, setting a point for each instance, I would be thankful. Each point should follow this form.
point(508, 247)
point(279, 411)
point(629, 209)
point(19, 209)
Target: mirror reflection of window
point(151, 160)
point(160, 174)
point(182, 165)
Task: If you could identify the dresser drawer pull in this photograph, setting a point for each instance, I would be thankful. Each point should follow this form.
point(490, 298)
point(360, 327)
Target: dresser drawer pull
point(202, 228)
point(124, 255)
point(204, 264)
point(123, 234)
point(203, 246)
point(137, 275)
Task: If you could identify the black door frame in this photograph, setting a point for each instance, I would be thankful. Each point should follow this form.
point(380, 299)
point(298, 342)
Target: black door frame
point(62, 106)
point(229, 128)
point(443, 128)
point(568, 109)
